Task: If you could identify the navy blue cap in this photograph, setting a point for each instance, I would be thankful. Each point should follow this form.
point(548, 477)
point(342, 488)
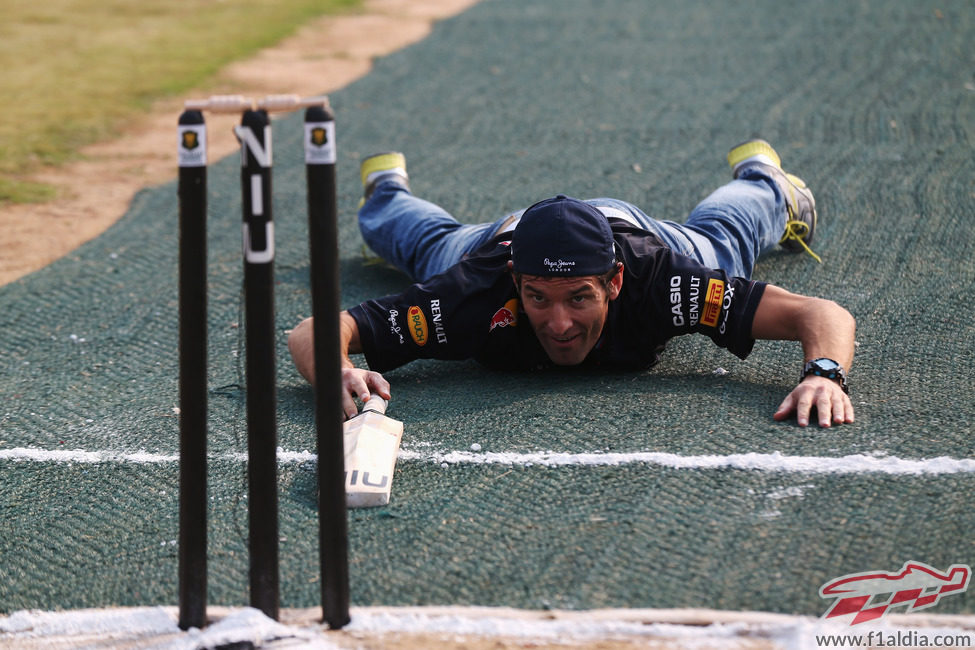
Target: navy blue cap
point(562, 236)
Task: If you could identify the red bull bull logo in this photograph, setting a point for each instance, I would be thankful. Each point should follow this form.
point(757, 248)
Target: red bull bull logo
point(870, 595)
point(507, 315)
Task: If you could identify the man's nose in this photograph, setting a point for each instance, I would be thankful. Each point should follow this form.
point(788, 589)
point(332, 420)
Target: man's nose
point(560, 321)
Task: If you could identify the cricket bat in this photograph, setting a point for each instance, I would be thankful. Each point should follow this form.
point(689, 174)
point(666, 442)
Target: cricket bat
point(371, 445)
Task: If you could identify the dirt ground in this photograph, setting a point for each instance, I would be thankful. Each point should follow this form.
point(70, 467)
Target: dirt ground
point(95, 191)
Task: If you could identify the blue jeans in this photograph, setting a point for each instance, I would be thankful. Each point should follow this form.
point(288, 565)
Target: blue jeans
point(728, 230)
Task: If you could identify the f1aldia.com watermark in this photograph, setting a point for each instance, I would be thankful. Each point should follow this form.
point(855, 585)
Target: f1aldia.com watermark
point(891, 639)
point(871, 595)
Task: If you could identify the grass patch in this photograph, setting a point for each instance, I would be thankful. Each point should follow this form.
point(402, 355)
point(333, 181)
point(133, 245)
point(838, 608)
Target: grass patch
point(13, 190)
point(75, 69)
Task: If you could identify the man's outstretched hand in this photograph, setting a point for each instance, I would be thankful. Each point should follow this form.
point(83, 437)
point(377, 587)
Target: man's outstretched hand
point(357, 383)
point(360, 383)
point(833, 406)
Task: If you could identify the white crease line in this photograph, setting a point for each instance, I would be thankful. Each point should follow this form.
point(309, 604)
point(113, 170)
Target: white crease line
point(30, 454)
point(774, 462)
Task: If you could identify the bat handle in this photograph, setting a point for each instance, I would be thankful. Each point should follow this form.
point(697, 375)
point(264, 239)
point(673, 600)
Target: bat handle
point(375, 403)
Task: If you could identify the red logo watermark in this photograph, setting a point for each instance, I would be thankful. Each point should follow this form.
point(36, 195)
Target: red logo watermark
point(870, 595)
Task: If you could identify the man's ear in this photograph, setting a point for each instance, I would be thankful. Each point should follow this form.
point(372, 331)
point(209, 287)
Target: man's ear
point(616, 282)
point(515, 277)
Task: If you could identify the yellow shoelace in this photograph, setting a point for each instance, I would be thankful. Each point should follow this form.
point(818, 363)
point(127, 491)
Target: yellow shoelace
point(795, 231)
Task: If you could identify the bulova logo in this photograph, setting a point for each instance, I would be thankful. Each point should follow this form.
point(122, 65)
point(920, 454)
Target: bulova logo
point(729, 296)
point(558, 266)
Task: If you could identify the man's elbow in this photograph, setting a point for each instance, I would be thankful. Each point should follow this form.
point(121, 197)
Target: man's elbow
point(840, 316)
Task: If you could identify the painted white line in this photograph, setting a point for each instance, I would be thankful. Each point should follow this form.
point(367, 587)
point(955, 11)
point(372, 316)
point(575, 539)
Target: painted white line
point(80, 456)
point(773, 462)
point(30, 454)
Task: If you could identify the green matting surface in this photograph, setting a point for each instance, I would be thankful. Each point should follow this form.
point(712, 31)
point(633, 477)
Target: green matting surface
point(873, 103)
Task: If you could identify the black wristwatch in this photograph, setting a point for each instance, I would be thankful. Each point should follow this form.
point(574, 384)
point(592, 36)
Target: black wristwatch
point(827, 368)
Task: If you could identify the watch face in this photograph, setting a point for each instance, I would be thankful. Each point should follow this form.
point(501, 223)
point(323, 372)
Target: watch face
point(825, 364)
point(828, 368)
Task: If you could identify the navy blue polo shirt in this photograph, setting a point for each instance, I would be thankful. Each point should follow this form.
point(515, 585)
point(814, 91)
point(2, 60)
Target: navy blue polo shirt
point(472, 311)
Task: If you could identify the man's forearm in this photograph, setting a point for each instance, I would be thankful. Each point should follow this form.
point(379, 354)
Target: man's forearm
point(823, 327)
point(301, 344)
point(357, 383)
point(827, 330)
